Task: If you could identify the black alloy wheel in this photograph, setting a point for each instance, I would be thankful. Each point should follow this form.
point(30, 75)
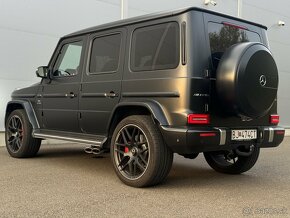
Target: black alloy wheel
point(14, 133)
point(229, 162)
point(18, 135)
point(131, 152)
point(139, 155)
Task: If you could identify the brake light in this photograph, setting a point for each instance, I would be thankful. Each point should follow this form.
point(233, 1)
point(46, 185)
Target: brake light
point(198, 119)
point(234, 25)
point(274, 119)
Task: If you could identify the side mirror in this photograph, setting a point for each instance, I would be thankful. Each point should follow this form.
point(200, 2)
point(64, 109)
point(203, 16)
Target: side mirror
point(42, 72)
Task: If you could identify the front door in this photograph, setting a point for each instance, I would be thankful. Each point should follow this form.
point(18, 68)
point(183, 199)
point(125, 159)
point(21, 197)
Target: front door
point(101, 83)
point(60, 95)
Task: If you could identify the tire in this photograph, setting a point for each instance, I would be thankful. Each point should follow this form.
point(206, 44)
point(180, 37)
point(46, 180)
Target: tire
point(217, 161)
point(18, 136)
point(139, 155)
point(247, 80)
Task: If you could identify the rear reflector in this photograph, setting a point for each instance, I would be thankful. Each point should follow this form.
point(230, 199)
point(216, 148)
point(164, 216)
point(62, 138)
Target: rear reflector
point(274, 119)
point(280, 132)
point(198, 119)
point(208, 134)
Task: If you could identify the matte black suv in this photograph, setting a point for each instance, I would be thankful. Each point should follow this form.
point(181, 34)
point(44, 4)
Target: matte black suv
point(185, 82)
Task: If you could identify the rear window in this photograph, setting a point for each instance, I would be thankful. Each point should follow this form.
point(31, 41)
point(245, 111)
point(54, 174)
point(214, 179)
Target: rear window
point(155, 47)
point(223, 36)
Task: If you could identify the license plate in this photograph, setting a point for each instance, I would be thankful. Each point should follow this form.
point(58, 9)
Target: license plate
point(244, 134)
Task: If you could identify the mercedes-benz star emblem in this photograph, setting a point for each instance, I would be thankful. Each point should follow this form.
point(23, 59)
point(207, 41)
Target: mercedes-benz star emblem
point(263, 80)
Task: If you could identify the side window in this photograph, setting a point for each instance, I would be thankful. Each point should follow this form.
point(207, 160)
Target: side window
point(155, 47)
point(68, 60)
point(105, 54)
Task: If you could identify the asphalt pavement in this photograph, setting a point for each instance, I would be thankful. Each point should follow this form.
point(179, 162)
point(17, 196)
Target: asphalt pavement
point(63, 181)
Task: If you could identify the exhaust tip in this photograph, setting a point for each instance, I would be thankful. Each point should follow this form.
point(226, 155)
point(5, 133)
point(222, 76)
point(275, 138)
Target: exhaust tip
point(94, 149)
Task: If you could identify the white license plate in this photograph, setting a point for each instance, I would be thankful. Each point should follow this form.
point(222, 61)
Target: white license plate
point(244, 134)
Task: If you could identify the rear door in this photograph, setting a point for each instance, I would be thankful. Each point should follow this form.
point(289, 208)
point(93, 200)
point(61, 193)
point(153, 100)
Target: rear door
point(101, 82)
point(221, 33)
point(60, 96)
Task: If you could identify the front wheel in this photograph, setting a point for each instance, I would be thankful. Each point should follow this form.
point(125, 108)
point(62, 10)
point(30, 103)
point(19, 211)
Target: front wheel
point(139, 155)
point(18, 136)
point(229, 162)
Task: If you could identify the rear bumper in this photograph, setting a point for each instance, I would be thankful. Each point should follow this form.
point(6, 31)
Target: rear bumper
point(188, 140)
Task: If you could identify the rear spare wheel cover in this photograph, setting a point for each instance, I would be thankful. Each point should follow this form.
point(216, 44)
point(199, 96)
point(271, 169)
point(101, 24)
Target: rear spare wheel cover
point(247, 80)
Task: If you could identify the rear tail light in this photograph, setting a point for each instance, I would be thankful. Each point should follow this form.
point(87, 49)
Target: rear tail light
point(274, 119)
point(198, 119)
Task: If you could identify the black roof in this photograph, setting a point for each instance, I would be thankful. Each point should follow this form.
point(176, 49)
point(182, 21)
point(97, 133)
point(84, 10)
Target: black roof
point(154, 16)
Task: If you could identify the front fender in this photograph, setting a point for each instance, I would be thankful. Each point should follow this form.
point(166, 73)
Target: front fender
point(26, 105)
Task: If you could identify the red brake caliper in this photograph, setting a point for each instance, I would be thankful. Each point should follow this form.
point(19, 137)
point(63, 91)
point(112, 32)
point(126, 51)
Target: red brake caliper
point(126, 149)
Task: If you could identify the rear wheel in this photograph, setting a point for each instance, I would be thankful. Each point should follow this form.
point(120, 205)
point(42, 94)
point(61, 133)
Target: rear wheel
point(18, 136)
point(229, 162)
point(139, 155)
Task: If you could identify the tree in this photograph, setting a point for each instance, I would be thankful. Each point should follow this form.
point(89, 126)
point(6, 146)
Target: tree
point(226, 37)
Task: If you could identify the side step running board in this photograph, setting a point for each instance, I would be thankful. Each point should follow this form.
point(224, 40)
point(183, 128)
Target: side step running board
point(73, 137)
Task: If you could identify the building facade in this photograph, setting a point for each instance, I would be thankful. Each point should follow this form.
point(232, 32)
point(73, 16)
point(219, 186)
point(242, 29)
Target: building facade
point(30, 30)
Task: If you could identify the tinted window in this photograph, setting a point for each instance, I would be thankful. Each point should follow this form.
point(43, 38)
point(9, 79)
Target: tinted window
point(155, 47)
point(223, 36)
point(105, 54)
point(68, 61)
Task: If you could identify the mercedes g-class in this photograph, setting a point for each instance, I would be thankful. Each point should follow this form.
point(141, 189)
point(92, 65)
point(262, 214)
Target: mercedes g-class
point(189, 81)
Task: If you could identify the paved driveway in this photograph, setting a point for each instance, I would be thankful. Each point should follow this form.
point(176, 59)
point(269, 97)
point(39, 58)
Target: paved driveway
point(64, 181)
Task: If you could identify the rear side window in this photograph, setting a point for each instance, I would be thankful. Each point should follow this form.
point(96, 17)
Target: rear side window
point(105, 54)
point(223, 36)
point(155, 47)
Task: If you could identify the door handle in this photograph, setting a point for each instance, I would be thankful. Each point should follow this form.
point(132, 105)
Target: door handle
point(111, 95)
point(71, 95)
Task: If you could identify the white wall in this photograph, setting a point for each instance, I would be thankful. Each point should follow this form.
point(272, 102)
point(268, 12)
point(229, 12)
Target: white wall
point(269, 13)
point(30, 29)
